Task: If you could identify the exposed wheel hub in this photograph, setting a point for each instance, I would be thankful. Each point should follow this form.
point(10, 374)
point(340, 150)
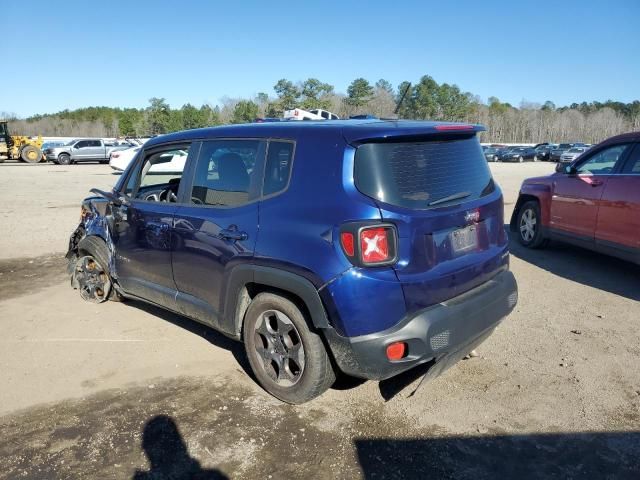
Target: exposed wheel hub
point(93, 281)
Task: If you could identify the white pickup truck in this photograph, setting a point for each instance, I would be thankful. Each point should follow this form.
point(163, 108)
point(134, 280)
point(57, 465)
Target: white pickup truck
point(315, 114)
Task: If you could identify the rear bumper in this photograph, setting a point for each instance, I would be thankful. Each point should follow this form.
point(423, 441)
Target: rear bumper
point(441, 334)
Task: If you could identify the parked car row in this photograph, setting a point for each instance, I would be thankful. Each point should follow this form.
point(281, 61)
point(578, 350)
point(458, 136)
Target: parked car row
point(541, 152)
point(510, 154)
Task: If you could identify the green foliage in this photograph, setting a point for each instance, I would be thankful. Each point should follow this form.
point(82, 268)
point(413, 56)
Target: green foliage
point(314, 94)
point(288, 94)
point(245, 111)
point(359, 92)
point(159, 116)
point(383, 84)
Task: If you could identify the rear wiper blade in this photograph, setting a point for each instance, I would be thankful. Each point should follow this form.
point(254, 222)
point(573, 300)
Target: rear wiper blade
point(455, 196)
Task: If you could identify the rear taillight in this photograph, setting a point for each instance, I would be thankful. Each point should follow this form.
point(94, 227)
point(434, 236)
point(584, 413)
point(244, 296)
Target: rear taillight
point(374, 245)
point(369, 245)
point(346, 239)
point(115, 155)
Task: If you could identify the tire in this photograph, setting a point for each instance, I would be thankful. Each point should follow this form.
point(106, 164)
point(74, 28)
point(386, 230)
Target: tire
point(287, 358)
point(535, 158)
point(64, 159)
point(520, 159)
point(31, 154)
point(95, 248)
point(528, 226)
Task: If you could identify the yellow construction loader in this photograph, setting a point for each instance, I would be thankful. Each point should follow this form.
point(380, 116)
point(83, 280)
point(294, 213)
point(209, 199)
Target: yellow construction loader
point(19, 147)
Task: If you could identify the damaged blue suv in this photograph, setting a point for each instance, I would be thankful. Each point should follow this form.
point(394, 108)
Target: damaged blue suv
point(362, 246)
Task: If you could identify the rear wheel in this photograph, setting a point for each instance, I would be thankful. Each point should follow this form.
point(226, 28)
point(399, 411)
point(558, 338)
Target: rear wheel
point(535, 158)
point(31, 154)
point(520, 159)
point(64, 159)
point(529, 226)
point(287, 358)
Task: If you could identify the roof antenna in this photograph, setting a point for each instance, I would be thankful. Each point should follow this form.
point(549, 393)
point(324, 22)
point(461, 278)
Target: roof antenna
point(404, 94)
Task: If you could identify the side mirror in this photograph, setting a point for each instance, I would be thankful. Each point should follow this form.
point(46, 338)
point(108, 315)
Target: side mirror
point(566, 169)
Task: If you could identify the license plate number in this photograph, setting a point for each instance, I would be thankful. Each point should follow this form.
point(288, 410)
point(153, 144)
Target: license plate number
point(464, 239)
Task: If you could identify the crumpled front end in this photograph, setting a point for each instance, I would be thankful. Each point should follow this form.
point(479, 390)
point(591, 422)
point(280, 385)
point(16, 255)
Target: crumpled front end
point(95, 220)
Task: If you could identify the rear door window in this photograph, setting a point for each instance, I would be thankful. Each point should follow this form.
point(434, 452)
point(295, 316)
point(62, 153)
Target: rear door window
point(632, 166)
point(278, 167)
point(425, 174)
point(227, 173)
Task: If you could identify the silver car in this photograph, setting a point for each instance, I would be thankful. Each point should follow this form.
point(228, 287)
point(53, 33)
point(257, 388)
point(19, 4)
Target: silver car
point(571, 154)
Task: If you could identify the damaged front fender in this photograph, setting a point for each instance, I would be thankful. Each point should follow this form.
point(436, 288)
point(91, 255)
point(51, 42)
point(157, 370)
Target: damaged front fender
point(96, 219)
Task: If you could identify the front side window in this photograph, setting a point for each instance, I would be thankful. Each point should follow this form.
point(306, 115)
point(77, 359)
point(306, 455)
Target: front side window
point(603, 162)
point(226, 173)
point(158, 177)
point(82, 144)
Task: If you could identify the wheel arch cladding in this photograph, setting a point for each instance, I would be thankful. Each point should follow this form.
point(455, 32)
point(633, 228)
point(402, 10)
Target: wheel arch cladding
point(248, 280)
point(522, 199)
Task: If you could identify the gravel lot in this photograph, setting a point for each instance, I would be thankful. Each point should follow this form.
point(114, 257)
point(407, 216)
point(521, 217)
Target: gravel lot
point(117, 390)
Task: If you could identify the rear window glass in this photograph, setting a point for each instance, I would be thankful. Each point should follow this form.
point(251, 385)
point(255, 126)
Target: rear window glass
point(422, 175)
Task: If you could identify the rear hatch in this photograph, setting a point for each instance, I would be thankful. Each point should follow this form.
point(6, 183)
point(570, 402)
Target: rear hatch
point(438, 191)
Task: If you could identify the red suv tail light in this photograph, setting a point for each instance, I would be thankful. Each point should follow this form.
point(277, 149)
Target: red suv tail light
point(369, 245)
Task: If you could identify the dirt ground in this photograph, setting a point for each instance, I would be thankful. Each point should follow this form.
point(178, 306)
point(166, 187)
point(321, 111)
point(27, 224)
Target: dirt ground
point(130, 391)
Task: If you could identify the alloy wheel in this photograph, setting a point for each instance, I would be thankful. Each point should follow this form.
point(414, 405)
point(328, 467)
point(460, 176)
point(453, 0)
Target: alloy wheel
point(279, 348)
point(528, 225)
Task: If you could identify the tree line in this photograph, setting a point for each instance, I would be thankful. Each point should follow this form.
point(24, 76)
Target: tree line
point(425, 99)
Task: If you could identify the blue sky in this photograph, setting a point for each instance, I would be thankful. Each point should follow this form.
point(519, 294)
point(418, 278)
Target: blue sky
point(122, 53)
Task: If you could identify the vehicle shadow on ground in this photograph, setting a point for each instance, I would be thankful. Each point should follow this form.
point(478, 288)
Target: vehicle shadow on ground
point(209, 334)
point(343, 382)
point(168, 455)
point(583, 266)
point(562, 455)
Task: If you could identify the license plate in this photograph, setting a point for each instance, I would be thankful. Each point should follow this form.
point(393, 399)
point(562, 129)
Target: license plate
point(464, 239)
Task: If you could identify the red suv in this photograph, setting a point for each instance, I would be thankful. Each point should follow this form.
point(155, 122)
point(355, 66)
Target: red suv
point(593, 203)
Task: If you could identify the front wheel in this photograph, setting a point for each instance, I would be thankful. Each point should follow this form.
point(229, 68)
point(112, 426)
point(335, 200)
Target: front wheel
point(520, 159)
point(529, 226)
point(64, 159)
point(287, 358)
point(31, 154)
point(535, 158)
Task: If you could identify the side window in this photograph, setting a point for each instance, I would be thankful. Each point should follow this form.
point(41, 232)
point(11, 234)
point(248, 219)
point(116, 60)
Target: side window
point(324, 114)
point(603, 162)
point(278, 167)
point(633, 163)
point(81, 144)
point(158, 177)
point(225, 173)
point(96, 143)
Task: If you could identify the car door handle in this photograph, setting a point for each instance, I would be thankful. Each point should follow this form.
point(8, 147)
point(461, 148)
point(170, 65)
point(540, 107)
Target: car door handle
point(233, 234)
point(596, 183)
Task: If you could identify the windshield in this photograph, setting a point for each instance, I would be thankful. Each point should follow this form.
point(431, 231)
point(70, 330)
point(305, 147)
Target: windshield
point(420, 175)
point(71, 142)
point(564, 146)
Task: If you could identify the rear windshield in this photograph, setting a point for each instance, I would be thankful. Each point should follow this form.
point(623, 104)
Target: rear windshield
point(422, 175)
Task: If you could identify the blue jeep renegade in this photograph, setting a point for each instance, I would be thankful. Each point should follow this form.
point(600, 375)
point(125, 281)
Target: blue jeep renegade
point(361, 246)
